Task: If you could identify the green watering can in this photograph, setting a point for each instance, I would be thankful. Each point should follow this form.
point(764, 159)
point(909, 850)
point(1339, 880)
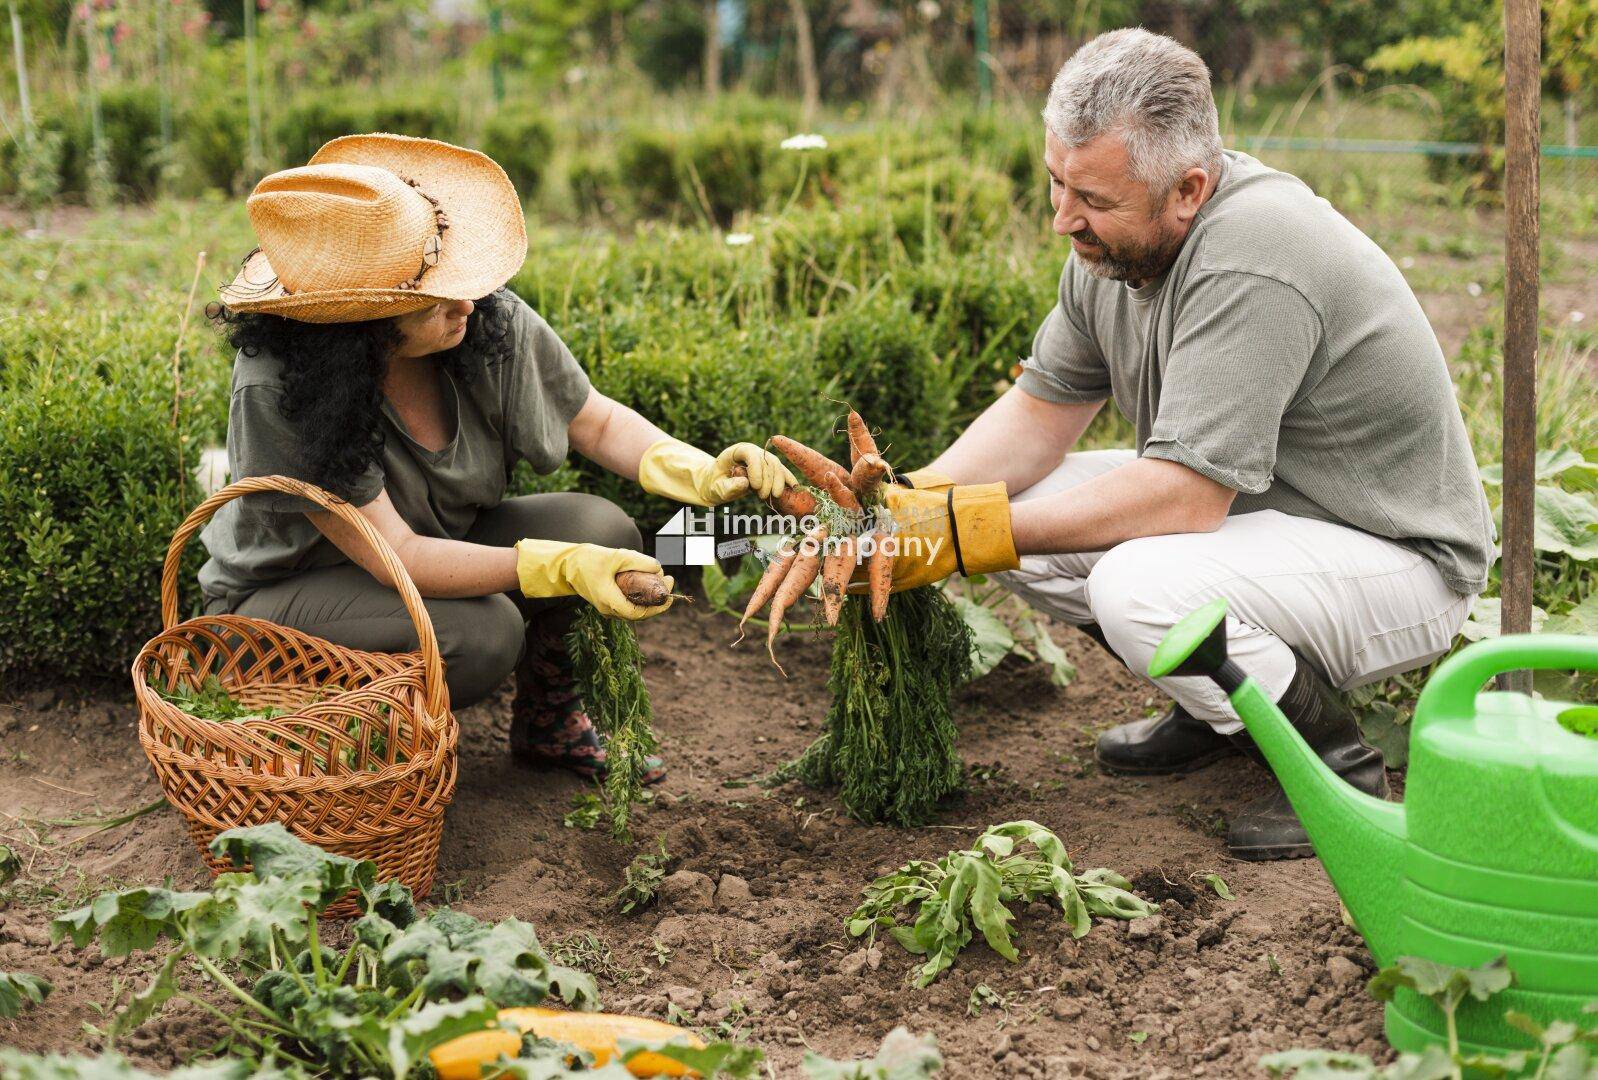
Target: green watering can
point(1494, 851)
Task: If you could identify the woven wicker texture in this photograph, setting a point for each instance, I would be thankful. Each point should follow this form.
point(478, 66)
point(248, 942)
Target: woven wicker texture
point(362, 759)
point(379, 225)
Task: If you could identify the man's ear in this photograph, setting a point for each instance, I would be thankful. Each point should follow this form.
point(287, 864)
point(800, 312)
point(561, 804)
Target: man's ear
point(1188, 195)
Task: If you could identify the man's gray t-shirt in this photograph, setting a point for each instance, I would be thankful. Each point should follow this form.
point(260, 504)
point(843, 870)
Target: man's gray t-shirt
point(512, 409)
point(1284, 356)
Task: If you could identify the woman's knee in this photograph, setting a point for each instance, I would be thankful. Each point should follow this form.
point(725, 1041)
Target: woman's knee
point(608, 525)
point(481, 642)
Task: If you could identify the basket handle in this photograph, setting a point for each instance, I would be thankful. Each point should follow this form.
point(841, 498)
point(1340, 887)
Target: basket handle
point(432, 662)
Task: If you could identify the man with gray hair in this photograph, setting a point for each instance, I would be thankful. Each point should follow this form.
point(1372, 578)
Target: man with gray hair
point(1299, 448)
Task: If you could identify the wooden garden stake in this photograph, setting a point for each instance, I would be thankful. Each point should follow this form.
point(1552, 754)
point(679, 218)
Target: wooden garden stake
point(1523, 88)
point(177, 357)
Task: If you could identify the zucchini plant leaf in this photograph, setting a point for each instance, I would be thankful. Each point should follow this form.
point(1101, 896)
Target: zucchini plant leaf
point(272, 851)
point(902, 1056)
point(126, 920)
point(410, 1039)
point(735, 1061)
point(19, 990)
point(1567, 523)
point(991, 640)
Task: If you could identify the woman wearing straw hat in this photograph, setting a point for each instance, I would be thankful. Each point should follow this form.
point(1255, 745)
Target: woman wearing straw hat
point(381, 357)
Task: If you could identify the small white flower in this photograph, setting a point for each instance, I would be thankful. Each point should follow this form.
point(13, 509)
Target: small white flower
point(1577, 316)
point(575, 75)
point(1407, 262)
point(1474, 288)
point(805, 142)
point(928, 10)
point(739, 239)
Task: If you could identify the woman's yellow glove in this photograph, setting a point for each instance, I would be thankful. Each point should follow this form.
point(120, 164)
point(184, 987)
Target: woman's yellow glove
point(961, 529)
point(924, 480)
point(674, 470)
point(557, 568)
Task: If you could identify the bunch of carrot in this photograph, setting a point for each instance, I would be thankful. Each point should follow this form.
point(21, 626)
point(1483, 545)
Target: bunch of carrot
point(831, 549)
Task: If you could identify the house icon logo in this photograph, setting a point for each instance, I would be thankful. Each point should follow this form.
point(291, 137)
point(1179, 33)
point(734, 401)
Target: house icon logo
point(688, 539)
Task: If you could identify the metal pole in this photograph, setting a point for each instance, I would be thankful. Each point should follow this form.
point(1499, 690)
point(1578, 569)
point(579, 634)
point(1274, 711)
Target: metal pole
point(252, 87)
point(984, 74)
point(22, 71)
point(1522, 91)
point(496, 73)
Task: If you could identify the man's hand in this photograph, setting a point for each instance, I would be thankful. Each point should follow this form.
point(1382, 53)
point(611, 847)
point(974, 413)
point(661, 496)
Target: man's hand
point(939, 533)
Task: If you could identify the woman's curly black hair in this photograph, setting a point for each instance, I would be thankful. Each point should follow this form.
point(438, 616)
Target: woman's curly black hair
point(332, 377)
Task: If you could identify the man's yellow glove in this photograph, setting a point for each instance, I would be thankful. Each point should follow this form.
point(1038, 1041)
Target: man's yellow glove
point(674, 470)
point(957, 529)
point(925, 480)
point(557, 568)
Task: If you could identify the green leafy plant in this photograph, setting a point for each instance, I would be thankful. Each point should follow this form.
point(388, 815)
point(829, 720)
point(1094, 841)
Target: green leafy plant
point(966, 891)
point(405, 984)
point(587, 809)
point(902, 1056)
point(1563, 1049)
point(20, 990)
point(641, 880)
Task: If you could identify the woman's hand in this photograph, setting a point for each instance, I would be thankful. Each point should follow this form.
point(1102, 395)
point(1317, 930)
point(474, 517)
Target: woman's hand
point(675, 470)
point(557, 568)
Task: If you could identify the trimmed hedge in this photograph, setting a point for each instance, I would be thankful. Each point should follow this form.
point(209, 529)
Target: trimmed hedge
point(90, 490)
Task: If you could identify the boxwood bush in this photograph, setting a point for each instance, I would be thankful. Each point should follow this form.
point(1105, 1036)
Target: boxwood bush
point(90, 490)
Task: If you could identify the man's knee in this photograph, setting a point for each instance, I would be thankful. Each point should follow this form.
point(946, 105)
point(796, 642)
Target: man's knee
point(1131, 594)
point(481, 642)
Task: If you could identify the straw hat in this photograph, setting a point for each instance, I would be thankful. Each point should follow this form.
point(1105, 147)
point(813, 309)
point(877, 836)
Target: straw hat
point(379, 225)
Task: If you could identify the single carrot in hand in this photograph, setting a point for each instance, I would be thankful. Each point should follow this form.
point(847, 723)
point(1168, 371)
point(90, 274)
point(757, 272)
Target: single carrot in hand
point(815, 465)
point(794, 502)
point(838, 488)
point(860, 441)
point(836, 569)
point(643, 589)
point(769, 581)
point(801, 572)
point(869, 469)
point(879, 575)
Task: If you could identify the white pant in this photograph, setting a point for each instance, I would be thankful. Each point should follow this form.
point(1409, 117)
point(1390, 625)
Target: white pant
point(1357, 606)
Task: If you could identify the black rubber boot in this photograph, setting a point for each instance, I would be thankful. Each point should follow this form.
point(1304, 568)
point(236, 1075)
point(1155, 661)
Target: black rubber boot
point(1172, 742)
point(1268, 828)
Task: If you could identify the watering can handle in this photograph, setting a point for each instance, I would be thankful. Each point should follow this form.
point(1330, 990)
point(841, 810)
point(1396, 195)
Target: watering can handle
point(1452, 690)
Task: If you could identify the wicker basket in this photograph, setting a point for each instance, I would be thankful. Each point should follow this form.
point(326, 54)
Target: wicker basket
point(361, 761)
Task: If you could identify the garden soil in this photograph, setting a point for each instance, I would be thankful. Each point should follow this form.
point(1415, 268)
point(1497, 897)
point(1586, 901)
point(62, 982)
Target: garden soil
point(748, 936)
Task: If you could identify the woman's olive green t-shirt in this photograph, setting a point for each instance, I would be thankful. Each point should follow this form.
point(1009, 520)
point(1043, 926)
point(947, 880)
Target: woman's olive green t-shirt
point(514, 408)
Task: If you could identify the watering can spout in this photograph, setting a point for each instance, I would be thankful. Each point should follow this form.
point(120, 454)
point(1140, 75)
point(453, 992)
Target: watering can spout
point(1359, 839)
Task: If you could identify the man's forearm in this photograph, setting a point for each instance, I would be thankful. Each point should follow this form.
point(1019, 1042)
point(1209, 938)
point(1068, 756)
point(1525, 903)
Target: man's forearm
point(1019, 439)
point(1146, 497)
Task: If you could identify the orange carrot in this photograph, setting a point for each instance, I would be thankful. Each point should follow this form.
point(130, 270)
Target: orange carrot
point(836, 569)
point(801, 572)
point(768, 584)
point(815, 465)
point(860, 441)
point(879, 575)
point(869, 469)
point(794, 502)
point(838, 487)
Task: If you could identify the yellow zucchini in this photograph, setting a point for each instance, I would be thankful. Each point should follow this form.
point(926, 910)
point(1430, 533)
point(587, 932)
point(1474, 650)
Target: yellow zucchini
point(463, 1058)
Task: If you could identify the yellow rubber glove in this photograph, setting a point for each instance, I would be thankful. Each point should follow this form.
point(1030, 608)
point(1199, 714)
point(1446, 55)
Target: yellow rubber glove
point(557, 568)
point(925, 480)
point(674, 470)
point(960, 529)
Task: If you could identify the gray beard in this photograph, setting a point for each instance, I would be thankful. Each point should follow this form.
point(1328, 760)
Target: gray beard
point(1134, 263)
